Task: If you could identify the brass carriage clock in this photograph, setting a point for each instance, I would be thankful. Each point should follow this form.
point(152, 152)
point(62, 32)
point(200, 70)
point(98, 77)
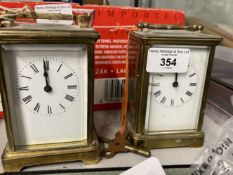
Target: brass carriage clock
point(47, 84)
point(169, 73)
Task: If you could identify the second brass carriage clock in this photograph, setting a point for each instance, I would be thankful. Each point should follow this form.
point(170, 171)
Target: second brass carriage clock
point(169, 73)
point(47, 89)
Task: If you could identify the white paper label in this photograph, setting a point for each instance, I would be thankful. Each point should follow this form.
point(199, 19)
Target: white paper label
point(167, 60)
point(54, 8)
point(150, 166)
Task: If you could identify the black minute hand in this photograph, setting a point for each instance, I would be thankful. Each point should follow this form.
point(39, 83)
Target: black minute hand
point(47, 87)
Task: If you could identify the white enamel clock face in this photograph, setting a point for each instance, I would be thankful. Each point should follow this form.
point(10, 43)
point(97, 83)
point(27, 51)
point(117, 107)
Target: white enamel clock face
point(59, 96)
point(47, 92)
point(174, 90)
point(174, 99)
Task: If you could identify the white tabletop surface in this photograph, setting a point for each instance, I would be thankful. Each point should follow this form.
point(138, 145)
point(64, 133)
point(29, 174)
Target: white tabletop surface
point(171, 156)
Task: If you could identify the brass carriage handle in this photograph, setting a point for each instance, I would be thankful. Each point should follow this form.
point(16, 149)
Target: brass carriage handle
point(146, 25)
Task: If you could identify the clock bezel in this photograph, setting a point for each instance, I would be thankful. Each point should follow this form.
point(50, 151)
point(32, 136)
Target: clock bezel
point(137, 109)
point(44, 35)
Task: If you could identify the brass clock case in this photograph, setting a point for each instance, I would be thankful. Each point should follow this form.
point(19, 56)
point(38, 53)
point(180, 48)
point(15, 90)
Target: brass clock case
point(139, 43)
point(14, 157)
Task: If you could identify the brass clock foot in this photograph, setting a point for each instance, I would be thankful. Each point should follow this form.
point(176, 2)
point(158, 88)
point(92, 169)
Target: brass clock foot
point(147, 142)
point(10, 168)
point(91, 161)
point(15, 161)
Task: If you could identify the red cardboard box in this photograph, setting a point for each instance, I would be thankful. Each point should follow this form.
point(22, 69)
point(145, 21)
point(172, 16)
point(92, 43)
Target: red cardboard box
point(128, 16)
point(113, 23)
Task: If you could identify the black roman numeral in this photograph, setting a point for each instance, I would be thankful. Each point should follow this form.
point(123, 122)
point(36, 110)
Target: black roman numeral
point(26, 77)
point(69, 98)
point(62, 106)
point(157, 93)
point(192, 84)
point(59, 68)
point(172, 102)
point(25, 88)
point(27, 99)
point(191, 75)
point(72, 86)
point(68, 76)
point(154, 84)
point(34, 68)
point(189, 93)
point(182, 100)
point(49, 110)
point(37, 107)
point(163, 100)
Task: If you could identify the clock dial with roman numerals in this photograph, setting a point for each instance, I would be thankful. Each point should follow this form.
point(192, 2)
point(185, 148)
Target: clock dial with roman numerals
point(174, 99)
point(47, 91)
point(173, 90)
point(48, 86)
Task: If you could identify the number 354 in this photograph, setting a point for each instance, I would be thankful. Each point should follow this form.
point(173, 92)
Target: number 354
point(168, 62)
